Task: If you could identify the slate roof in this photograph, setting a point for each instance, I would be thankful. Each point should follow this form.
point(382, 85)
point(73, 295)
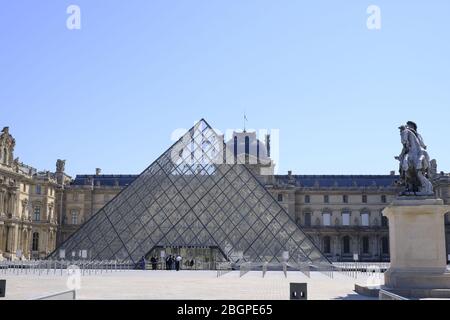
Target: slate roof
point(305, 181)
point(104, 179)
point(338, 181)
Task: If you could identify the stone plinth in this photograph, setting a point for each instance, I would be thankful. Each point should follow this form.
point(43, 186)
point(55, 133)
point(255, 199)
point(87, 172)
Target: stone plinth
point(417, 245)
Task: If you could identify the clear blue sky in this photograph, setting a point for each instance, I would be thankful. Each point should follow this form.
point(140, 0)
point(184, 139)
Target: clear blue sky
point(110, 95)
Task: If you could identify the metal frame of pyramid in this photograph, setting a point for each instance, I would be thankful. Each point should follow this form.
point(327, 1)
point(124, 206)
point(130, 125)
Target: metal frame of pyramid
point(195, 194)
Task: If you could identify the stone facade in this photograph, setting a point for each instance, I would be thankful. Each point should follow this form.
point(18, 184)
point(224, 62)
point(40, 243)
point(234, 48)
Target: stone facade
point(28, 223)
point(341, 219)
point(341, 214)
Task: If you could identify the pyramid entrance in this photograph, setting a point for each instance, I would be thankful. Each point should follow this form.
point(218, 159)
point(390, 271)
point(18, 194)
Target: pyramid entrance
point(195, 196)
point(194, 257)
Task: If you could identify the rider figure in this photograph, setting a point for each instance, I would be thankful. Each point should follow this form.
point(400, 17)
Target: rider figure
point(413, 127)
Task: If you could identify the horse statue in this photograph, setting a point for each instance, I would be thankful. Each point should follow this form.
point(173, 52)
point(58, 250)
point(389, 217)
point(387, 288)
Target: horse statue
point(415, 167)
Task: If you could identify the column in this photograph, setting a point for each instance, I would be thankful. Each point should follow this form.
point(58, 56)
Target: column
point(337, 248)
point(14, 204)
point(1, 202)
point(2, 242)
point(14, 239)
point(8, 239)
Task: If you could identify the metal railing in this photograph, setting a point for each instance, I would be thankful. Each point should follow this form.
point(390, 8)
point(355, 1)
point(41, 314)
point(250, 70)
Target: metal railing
point(355, 269)
point(57, 267)
point(223, 268)
point(244, 268)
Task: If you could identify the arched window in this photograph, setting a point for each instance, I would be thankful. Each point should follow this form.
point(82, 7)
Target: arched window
point(385, 245)
point(346, 245)
point(365, 243)
point(35, 245)
point(326, 245)
point(307, 199)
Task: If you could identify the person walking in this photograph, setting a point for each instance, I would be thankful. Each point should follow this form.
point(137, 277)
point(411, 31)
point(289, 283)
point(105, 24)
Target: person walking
point(143, 263)
point(178, 262)
point(154, 262)
point(170, 263)
point(167, 263)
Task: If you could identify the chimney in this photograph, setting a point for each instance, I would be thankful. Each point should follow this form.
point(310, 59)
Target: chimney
point(290, 174)
point(392, 173)
point(98, 171)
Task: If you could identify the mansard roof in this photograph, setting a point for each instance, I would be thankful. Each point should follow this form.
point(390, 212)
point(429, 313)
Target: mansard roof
point(338, 181)
point(305, 181)
point(109, 180)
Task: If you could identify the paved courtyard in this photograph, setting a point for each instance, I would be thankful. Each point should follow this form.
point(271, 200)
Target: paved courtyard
point(193, 285)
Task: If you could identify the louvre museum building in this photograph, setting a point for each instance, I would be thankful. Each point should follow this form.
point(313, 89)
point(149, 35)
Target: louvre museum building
point(204, 198)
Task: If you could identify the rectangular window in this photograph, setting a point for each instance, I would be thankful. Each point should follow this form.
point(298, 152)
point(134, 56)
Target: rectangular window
point(364, 198)
point(384, 221)
point(345, 199)
point(326, 219)
point(385, 245)
point(346, 219)
point(383, 199)
point(280, 197)
point(74, 217)
point(365, 245)
point(365, 219)
point(307, 199)
point(326, 198)
point(38, 189)
point(307, 219)
point(35, 244)
point(37, 214)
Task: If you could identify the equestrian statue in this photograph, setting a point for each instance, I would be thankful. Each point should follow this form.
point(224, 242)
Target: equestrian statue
point(415, 167)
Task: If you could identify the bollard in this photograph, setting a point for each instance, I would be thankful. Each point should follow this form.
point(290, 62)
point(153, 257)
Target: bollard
point(299, 291)
point(2, 288)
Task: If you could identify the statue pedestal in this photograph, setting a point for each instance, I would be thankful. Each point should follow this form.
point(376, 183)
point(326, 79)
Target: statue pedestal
point(417, 245)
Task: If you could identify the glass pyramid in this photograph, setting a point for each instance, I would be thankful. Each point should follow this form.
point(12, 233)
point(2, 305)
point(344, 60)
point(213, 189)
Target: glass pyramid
point(194, 195)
